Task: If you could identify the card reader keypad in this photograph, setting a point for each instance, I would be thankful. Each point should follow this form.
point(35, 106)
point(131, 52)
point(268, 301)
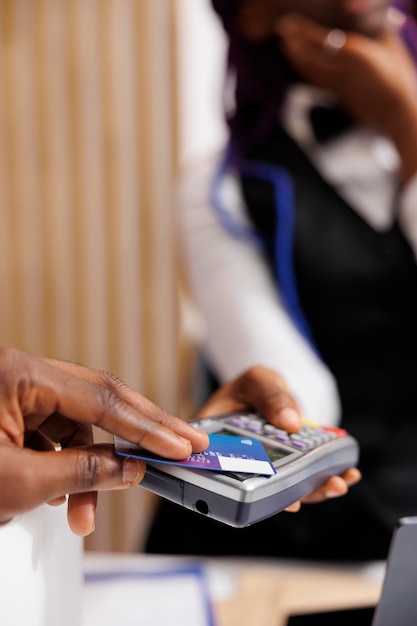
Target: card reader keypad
point(310, 436)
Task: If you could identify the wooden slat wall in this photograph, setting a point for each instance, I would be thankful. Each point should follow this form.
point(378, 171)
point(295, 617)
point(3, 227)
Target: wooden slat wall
point(86, 171)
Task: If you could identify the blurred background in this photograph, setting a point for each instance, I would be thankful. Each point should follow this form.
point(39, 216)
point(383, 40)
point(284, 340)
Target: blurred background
point(102, 103)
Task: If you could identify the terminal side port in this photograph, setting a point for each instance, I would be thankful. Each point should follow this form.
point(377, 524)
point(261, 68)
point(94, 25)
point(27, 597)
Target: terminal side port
point(202, 507)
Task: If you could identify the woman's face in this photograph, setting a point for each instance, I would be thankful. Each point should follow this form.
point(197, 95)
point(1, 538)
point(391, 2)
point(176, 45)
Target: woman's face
point(257, 17)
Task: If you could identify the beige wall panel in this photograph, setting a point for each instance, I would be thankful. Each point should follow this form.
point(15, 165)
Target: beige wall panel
point(87, 268)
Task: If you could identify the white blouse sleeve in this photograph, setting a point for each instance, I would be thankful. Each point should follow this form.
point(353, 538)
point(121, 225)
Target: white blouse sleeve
point(407, 214)
point(246, 324)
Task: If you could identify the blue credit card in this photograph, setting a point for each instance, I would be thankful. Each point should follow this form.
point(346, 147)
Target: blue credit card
point(225, 453)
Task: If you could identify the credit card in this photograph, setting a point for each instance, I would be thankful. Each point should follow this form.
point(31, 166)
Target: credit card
point(225, 453)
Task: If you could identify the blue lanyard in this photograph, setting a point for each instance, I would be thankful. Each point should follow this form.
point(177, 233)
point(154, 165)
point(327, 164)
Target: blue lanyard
point(284, 201)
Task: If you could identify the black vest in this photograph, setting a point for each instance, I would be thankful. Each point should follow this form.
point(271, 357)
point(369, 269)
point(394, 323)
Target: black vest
point(358, 290)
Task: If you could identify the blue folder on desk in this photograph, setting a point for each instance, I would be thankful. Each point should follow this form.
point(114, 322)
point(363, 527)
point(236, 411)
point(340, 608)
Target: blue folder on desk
point(174, 597)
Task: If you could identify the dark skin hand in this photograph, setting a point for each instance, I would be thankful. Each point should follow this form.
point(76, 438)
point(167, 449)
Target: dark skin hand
point(44, 403)
point(374, 80)
point(264, 390)
point(373, 75)
point(256, 18)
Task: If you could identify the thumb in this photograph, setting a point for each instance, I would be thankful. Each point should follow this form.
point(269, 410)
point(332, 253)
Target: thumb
point(31, 478)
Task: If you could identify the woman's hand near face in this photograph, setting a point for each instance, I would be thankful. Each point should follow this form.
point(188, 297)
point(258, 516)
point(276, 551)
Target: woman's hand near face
point(374, 80)
point(256, 18)
point(265, 391)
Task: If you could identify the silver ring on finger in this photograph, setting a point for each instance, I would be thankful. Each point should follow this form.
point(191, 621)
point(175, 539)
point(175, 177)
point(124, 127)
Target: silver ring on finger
point(334, 41)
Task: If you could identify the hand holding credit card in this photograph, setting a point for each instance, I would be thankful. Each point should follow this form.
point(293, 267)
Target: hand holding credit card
point(259, 469)
point(226, 453)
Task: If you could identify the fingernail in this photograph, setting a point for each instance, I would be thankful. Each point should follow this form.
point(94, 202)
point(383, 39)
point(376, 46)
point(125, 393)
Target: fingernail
point(289, 418)
point(131, 469)
point(183, 440)
point(91, 528)
point(332, 494)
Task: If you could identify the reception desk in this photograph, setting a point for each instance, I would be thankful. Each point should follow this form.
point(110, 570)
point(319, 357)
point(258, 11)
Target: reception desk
point(241, 592)
point(46, 579)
